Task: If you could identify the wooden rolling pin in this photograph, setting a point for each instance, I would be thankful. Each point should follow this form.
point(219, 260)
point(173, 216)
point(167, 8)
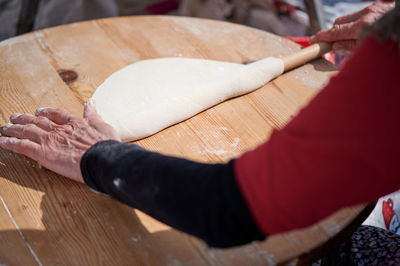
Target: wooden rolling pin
point(305, 55)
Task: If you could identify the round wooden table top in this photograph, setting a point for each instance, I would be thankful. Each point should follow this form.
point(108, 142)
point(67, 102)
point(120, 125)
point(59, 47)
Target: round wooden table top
point(50, 220)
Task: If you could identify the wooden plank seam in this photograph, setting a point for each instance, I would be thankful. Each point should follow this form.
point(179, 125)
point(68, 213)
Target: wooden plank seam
point(20, 233)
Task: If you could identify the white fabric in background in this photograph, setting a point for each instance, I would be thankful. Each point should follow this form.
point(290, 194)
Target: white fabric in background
point(386, 214)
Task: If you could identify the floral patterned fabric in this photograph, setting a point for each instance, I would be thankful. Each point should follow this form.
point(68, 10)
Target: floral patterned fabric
point(369, 245)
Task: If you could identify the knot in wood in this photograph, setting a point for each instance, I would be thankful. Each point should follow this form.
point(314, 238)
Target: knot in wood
point(68, 76)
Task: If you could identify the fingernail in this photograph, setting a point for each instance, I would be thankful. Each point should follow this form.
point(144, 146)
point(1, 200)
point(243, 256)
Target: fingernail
point(39, 110)
point(90, 101)
point(89, 107)
point(15, 116)
point(6, 126)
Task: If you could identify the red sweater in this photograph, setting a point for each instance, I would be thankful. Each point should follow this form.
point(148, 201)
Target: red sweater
point(340, 150)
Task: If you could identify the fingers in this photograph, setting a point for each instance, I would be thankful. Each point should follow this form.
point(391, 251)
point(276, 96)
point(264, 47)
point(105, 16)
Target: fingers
point(57, 115)
point(22, 146)
point(29, 131)
point(374, 10)
point(89, 110)
point(344, 46)
point(338, 32)
point(351, 17)
point(349, 26)
point(25, 119)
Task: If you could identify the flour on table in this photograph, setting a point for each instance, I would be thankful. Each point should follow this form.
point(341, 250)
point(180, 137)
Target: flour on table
point(150, 95)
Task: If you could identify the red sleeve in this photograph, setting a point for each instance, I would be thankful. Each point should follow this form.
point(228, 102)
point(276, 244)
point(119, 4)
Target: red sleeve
point(340, 150)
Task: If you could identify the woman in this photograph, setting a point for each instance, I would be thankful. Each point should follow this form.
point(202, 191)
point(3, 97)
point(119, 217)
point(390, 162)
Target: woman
point(335, 153)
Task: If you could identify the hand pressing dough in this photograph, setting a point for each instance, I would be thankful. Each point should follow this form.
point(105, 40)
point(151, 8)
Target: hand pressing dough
point(148, 96)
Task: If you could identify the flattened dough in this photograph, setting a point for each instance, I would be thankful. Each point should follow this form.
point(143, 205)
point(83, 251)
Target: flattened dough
point(150, 95)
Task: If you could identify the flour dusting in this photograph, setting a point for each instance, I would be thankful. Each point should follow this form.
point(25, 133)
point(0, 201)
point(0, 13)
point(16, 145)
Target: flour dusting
point(235, 142)
point(212, 151)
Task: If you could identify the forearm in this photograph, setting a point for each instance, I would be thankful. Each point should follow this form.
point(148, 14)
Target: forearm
point(340, 150)
point(199, 199)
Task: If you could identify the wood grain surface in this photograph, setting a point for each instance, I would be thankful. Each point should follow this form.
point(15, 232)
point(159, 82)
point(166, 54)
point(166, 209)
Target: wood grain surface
point(46, 219)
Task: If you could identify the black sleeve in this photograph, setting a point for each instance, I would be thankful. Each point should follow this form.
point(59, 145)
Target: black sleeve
point(199, 199)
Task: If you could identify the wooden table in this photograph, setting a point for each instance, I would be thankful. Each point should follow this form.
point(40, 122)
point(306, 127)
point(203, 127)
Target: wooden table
point(50, 220)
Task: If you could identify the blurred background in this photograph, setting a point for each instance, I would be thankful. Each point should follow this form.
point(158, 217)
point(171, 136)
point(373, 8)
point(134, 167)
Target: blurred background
point(283, 17)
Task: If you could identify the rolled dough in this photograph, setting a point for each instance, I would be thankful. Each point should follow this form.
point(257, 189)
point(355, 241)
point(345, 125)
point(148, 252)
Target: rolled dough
point(150, 95)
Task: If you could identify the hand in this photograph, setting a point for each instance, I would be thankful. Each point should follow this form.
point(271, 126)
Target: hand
point(55, 138)
point(345, 31)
